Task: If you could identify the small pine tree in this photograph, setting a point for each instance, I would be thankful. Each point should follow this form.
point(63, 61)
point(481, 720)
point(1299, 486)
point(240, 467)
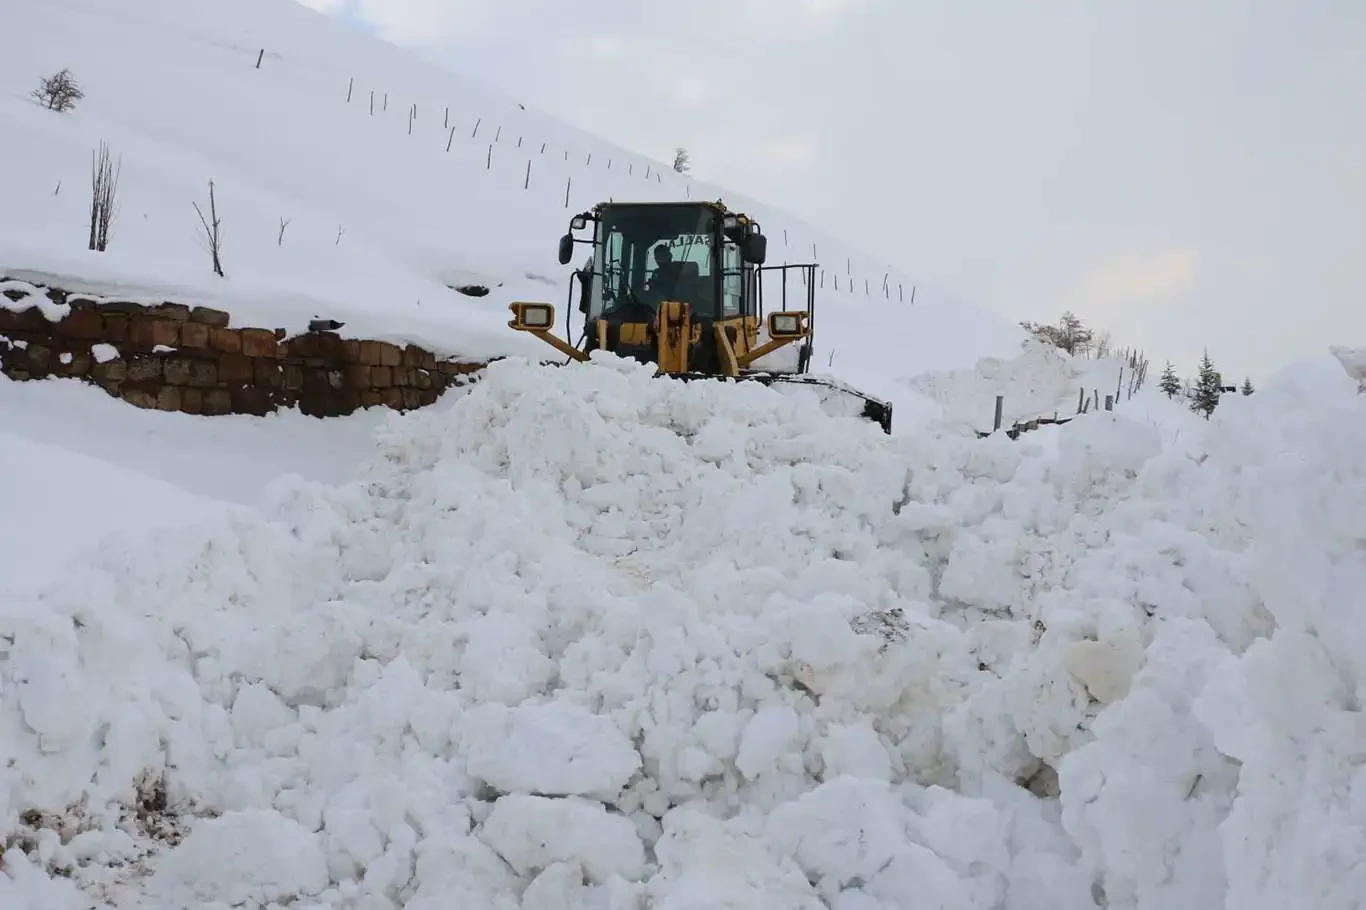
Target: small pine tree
point(1247, 388)
point(1205, 394)
point(1169, 384)
point(681, 160)
point(1074, 338)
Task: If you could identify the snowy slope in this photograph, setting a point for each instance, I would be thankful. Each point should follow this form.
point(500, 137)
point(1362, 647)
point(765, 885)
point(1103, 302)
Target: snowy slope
point(573, 640)
point(173, 87)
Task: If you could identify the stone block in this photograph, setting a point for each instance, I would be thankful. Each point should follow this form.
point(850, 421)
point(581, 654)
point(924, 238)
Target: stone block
point(110, 372)
point(144, 369)
point(251, 400)
point(85, 324)
point(315, 346)
point(148, 333)
point(168, 398)
point(380, 354)
point(194, 335)
point(208, 316)
point(358, 375)
point(192, 400)
point(38, 358)
point(294, 378)
point(78, 363)
point(216, 402)
point(175, 312)
point(115, 327)
point(259, 343)
point(139, 398)
point(235, 368)
point(381, 377)
point(226, 341)
point(198, 372)
point(268, 373)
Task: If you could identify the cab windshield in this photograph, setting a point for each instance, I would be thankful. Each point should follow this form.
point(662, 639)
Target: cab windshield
point(653, 254)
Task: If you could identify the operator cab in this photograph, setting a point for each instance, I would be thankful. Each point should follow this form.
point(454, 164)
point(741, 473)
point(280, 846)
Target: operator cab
point(647, 253)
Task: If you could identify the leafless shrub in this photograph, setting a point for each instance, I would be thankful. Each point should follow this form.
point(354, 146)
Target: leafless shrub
point(280, 240)
point(104, 184)
point(212, 231)
point(59, 92)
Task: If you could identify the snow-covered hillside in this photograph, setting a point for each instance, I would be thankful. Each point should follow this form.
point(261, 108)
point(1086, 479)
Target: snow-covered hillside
point(381, 220)
point(573, 639)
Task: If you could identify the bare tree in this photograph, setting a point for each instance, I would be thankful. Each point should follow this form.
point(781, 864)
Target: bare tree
point(104, 184)
point(59, 92)
point(280, 240)
point(212, 233)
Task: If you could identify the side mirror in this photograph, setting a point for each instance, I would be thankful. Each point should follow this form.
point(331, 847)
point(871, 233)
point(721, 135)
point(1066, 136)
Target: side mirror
point(566, 249)
point(755, 248)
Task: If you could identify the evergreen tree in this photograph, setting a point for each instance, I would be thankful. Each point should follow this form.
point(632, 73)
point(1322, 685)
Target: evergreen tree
point(682, 163)
point(1247, 388)
point(1205, 394)
point(1074, 337)
point(1169, 384)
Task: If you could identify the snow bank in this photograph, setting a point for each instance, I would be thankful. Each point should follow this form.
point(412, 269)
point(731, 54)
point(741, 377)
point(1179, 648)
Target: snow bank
point(231, 458)
point(1039, 381)
point(579, 638)
point(57, 504)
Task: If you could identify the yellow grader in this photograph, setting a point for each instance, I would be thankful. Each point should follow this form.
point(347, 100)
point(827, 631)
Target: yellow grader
point(680, 285)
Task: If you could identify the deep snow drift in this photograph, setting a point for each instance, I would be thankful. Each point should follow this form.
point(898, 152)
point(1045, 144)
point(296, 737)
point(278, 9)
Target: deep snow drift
point(577, 638)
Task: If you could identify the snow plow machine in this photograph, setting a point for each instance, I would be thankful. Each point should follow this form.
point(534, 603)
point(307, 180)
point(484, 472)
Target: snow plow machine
point(681, 285)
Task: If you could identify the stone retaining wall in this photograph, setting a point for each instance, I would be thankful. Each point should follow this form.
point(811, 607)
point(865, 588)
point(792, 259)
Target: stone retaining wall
point(174, 357)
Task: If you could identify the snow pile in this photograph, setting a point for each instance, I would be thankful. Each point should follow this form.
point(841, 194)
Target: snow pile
point(229, 458)
point(1043, 380)
point(57, 504)
point(579, 638)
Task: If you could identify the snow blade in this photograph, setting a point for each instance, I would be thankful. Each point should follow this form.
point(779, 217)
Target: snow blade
point(837, 399)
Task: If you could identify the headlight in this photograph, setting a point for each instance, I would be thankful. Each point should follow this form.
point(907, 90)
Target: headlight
point(784, 324)
point(538, 316)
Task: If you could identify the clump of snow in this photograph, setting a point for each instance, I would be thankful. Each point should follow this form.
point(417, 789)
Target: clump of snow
point(104, 352)
point(21, 296)
point(581, 637)
point(285, 859)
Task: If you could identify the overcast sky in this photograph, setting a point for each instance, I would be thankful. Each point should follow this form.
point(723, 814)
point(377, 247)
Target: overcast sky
point(1185, 173)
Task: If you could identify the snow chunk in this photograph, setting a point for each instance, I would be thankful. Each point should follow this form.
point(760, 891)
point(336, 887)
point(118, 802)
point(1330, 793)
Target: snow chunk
point(707, 865)
point(553, 749)
point(104, 352)
point(768, 738)
point(257, 855)
point(534, 832)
